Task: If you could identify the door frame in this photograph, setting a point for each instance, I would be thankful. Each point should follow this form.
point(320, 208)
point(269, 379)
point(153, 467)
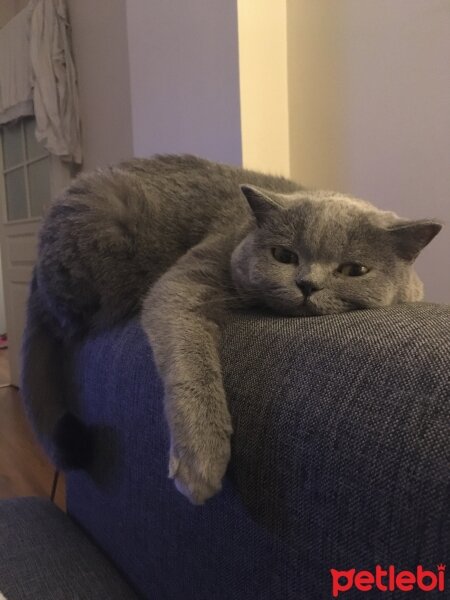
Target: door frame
point(19, 242)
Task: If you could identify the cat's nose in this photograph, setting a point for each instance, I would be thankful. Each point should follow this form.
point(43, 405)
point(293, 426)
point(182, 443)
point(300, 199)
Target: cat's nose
point(307, 287)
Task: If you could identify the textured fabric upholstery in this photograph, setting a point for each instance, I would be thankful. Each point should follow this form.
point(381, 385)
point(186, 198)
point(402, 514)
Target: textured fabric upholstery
point(43, 556)
point(341, 457)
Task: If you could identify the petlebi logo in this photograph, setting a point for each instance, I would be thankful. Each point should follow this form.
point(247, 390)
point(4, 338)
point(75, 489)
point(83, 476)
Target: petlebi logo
point(387, 580)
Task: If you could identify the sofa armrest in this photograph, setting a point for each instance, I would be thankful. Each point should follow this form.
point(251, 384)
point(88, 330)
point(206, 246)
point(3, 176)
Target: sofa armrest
point(340, 458)
point(342, 430)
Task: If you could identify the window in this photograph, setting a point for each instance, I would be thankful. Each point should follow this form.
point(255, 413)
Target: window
point(26, 171)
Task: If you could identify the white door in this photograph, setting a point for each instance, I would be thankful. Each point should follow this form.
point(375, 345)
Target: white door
point(30, 177)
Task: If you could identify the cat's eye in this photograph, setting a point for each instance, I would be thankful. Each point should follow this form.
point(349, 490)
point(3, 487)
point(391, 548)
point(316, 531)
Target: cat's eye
point(352, 269)
point(283, 255)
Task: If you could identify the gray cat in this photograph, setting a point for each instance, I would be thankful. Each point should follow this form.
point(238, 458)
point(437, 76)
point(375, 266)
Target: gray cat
point(182, 240)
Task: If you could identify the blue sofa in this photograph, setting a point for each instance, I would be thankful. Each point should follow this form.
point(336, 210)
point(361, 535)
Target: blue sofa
point(340, 457)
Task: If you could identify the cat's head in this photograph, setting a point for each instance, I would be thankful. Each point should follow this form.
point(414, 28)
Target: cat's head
point(316, 252)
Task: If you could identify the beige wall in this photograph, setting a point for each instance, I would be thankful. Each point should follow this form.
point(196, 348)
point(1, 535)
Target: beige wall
point(369, 109)
point(101, 57)
point(263, 73)
point(316, 92)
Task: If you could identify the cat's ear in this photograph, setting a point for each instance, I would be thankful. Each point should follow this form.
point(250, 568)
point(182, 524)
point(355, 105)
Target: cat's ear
point(411, 237)
point(261, 204)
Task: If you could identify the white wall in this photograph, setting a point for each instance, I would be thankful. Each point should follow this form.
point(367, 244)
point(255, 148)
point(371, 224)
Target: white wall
point(184, 74)
point(369, 108)
point(157, 77)
point(99, 37)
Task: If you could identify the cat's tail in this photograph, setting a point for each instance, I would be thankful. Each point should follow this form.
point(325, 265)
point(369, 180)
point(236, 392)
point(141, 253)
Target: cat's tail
point(44, 388)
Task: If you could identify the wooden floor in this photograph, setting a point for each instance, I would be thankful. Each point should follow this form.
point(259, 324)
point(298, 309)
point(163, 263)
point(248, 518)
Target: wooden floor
point(24, 469)
point(4, 368)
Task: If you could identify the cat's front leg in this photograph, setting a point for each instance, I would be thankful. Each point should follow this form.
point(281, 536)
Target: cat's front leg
point(183, 331)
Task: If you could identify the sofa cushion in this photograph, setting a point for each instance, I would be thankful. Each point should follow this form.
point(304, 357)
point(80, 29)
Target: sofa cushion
point(45, 556)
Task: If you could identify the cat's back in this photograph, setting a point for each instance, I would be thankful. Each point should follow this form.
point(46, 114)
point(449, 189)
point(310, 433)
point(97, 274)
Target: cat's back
point(118, 229)
point(169, 201)
point(199, 186)
point(172, 196)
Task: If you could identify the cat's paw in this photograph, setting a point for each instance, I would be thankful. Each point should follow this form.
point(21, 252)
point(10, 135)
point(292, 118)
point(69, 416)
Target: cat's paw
point(198, 473)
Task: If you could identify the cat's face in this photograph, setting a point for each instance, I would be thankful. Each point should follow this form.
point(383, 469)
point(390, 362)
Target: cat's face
point(316, 253)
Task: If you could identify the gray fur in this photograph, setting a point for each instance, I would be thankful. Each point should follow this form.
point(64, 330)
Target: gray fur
point(174, 238)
